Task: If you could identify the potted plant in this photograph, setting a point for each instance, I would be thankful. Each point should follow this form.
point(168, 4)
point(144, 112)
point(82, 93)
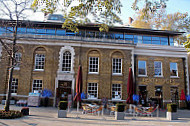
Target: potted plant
point(172, 111)
point(119, 114)
point(62, 112)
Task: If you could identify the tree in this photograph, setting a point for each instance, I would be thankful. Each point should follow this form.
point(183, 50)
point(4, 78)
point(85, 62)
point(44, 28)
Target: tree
point(102, 12)
point(14, 10)
point(160, 20)
point(187, 43)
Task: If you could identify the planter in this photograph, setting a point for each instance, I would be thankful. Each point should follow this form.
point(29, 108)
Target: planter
point(119, 115)
point(25, 111)
point(172, 116)
point(62, 113)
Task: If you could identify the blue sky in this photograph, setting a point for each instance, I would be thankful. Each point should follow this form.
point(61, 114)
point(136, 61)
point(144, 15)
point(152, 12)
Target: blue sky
point(172, 7)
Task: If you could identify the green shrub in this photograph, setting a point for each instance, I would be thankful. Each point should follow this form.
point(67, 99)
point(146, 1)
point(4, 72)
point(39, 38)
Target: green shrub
point(12, 114)
point(172, 107)
point(120, 107)
point(63, 105)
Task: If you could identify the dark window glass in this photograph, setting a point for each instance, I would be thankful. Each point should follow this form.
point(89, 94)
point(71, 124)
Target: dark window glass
point(109, 35)
point(90, 34)
point(99, 34)
point(119, 37)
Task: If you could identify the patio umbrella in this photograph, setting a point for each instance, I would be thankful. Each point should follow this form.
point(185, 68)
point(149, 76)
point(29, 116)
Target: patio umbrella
point(182, 98)
point(130, 88)
point(78, 86)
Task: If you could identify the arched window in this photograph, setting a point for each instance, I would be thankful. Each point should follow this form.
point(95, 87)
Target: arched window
point(66, 64)
point(39, 55)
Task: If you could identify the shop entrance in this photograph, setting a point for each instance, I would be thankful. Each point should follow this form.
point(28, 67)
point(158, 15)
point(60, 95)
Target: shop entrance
point(142, 95)
point(63, 90)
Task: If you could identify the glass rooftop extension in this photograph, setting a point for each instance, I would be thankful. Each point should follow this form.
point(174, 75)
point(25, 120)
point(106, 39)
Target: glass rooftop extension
point(87, 36)
point(91, 33)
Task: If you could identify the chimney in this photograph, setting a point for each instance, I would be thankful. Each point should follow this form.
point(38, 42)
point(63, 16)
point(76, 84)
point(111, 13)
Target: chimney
point(130, 20)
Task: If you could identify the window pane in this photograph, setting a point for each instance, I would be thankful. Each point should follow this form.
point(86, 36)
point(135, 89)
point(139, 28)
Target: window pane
point(142, 67)
point(119, 37)
point(171, 41)
point(156, 40)
point(146, 39)
point(92, 90)
point(137, 39)
point(128, 37)
point(39, 61)
point(93, 64)
point(66, 64)
point(164, 40)
point(117, 65)
point(116, 91)
point(173, 69)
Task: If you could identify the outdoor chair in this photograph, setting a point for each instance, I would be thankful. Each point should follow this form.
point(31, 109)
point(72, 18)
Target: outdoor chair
point(112, 110)
point(86, 109)
point(99, 110)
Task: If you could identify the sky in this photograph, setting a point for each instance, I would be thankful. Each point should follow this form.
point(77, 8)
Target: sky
point(126, 11)
point(173, 6)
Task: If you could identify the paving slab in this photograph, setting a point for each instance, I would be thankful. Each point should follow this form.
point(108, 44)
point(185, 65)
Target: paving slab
point(47, 116)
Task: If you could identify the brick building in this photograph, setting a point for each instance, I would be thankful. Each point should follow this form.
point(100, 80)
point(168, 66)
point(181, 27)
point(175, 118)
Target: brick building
point(49, 56)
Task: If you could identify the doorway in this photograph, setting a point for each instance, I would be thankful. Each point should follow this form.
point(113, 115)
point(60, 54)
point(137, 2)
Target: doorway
point(63, 90)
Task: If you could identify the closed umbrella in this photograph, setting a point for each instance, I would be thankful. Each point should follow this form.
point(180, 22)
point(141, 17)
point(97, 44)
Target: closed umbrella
point(130, 88)
point(78, 87)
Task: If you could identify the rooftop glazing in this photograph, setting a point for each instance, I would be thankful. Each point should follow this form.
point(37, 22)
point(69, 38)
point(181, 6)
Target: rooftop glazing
point(85, 35)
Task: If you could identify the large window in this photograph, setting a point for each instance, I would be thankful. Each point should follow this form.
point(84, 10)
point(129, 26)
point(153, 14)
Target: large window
point(142, 68)
point(39, 61)
point(37, 85)
point(158, 68)
point(66, 65)
point(92, 90)
point(93, 64)
point(173, 69)
point(116, 91)
point(117, 66)
point(17, 59)
point(14, 85)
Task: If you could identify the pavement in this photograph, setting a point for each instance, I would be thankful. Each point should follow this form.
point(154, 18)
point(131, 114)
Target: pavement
point(47, 116)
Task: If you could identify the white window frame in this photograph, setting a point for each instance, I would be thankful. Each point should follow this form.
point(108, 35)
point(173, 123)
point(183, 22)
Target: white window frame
point(40, 91)
point(18, 58)
point(142, 75)
point(177, 70)
point(120, 92)
point(113, 67)
point(67, 59)
point(88, 91)
point(157, 68)
point(92, 64)
point(14, 81)
point(36, 63)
